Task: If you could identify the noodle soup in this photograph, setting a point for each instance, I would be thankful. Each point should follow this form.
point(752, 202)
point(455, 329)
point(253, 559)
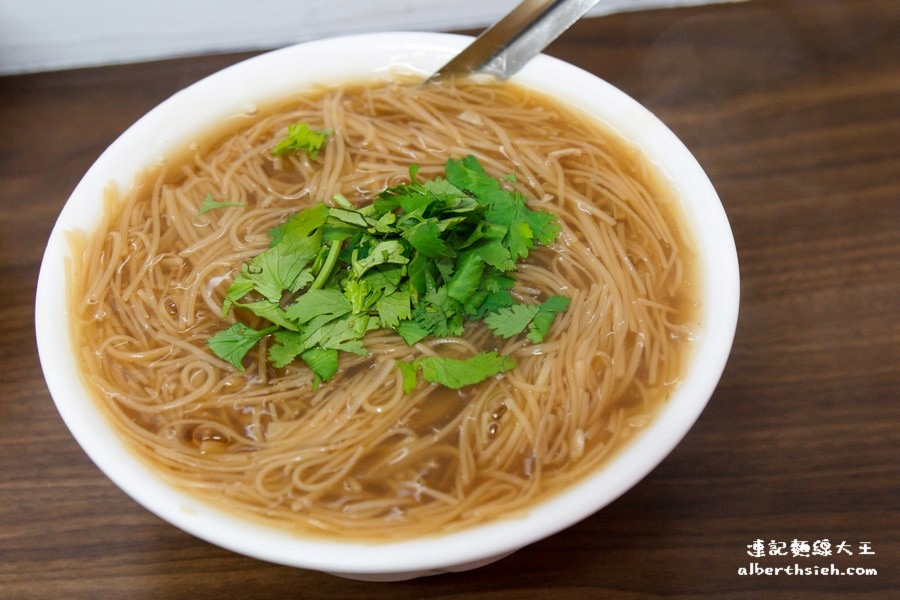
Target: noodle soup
point(394, 483)
point(358, 457)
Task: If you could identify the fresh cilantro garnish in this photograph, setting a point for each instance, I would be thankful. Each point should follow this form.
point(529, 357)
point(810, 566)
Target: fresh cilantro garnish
point(540, 325)
point(209, 203)
point(454, 373)
point(511, 321)
point(233, 343)
point(422, 259)
point(300, 138)
point(507, 322)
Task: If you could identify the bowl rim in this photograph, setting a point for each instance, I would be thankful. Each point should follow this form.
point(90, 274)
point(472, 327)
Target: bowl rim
point(357, 55)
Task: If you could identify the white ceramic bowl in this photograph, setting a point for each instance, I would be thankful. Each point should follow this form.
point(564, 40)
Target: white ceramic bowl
point(237, 88)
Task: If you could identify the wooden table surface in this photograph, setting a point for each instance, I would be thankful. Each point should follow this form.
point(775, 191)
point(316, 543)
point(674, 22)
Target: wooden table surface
point(793, 108)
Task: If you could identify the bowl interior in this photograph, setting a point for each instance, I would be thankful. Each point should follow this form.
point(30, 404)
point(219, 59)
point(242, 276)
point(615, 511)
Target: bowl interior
point(238, 89)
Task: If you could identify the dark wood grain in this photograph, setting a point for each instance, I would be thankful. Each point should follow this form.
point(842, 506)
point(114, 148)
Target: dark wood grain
point(793, 108)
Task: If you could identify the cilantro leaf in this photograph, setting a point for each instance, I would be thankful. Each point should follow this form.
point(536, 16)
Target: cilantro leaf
point(389, 251)
point(270, 311)
point(439, 313)
point(511, 321)
point(393, 308)
point(420, 272)
point(288, 346)
point(426, 238)
point(512, 213)
point(412, 332)
point(455, 373)
point(273, 272)
point(284, 266)
point(491, 302)
point(210, 204)
point(337, 334)
point(317, 307)
point(300, 138)
point(346, 334)
point(349, 217)
point(537, 318)
point(494, 253)
point(300, 224)
point(543, 225)
point(540, 326)
point(409, 374)
point(468, 174)
point(323, 362)
point(507, 209)
point(232, 344)
point(360, 294)
point(465, 280)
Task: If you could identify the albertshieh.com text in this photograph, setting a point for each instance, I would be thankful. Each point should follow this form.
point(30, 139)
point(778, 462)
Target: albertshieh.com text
point(816, 570)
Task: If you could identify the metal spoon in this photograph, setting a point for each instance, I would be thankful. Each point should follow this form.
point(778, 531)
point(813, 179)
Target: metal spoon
point(505, 47)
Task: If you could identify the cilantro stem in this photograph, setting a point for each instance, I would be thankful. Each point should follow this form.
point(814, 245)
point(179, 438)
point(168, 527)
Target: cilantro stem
point(325, 272)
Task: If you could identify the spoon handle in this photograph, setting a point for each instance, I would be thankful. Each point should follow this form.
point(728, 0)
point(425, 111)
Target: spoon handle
point(506, 46)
